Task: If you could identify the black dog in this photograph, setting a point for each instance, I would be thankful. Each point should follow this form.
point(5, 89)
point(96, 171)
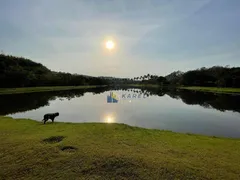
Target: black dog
point(51, 116)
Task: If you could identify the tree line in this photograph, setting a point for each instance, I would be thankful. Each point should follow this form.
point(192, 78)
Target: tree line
point(21, 72)
point(216, 76)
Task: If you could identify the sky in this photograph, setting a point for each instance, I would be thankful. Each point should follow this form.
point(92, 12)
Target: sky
point(151, 36)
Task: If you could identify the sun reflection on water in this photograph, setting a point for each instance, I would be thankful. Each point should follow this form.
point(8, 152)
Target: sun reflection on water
point(109, 119)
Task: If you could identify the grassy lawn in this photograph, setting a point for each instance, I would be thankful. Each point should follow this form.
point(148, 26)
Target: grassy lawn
point(213, 89)
point(31, 150)
point(40, 89)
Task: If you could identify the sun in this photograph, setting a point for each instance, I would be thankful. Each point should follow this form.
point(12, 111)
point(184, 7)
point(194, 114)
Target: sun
point(110, 45)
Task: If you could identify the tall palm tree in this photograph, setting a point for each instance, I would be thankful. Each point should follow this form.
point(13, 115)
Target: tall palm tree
point(148, 76)
point(145, 77)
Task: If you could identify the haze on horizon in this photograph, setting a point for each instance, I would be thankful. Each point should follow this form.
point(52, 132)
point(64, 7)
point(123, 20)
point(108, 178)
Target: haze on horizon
point(151, 36)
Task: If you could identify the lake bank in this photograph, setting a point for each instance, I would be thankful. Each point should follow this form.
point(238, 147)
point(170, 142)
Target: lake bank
point(193, 88)
point(41, 89)
point(62, 88)
point(102, 151)
point(213, 89)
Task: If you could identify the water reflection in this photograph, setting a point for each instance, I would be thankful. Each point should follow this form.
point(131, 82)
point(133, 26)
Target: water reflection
point(158, 108)
point(24, 102)
point(14, 103)
point(221, 102)
point(109, 119)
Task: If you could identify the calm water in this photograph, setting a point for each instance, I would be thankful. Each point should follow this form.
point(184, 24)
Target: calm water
point(179, 111)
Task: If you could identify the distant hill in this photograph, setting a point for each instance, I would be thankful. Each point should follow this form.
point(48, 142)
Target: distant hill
point(214, 76)
point(174, 77)
point(22, 72)
point(12, 63)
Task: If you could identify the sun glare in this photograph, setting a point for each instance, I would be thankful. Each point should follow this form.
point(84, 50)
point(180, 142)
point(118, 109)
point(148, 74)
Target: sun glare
point(109, 119)
point(110, 45)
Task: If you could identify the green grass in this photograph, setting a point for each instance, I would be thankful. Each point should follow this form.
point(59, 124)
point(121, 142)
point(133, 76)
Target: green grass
point(31, 150)
point(40, 89)
point(213, 89)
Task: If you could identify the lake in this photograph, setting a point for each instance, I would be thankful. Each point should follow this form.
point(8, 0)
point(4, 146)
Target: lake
point(155, 108)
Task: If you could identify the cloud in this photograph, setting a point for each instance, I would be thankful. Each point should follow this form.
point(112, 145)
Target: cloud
point(202, 32)
point(152, 36)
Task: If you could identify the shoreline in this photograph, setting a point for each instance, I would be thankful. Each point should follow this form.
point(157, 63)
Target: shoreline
point(212, 89)
point(192, 88)
point(4, 91)
point(120, 124)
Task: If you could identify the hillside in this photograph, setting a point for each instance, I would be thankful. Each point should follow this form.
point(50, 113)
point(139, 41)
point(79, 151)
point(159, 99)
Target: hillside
point(216, 76)
point(21, 72)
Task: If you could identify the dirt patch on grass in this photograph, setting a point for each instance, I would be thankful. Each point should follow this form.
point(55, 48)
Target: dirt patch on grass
point(53, 139)
point(68, 148)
